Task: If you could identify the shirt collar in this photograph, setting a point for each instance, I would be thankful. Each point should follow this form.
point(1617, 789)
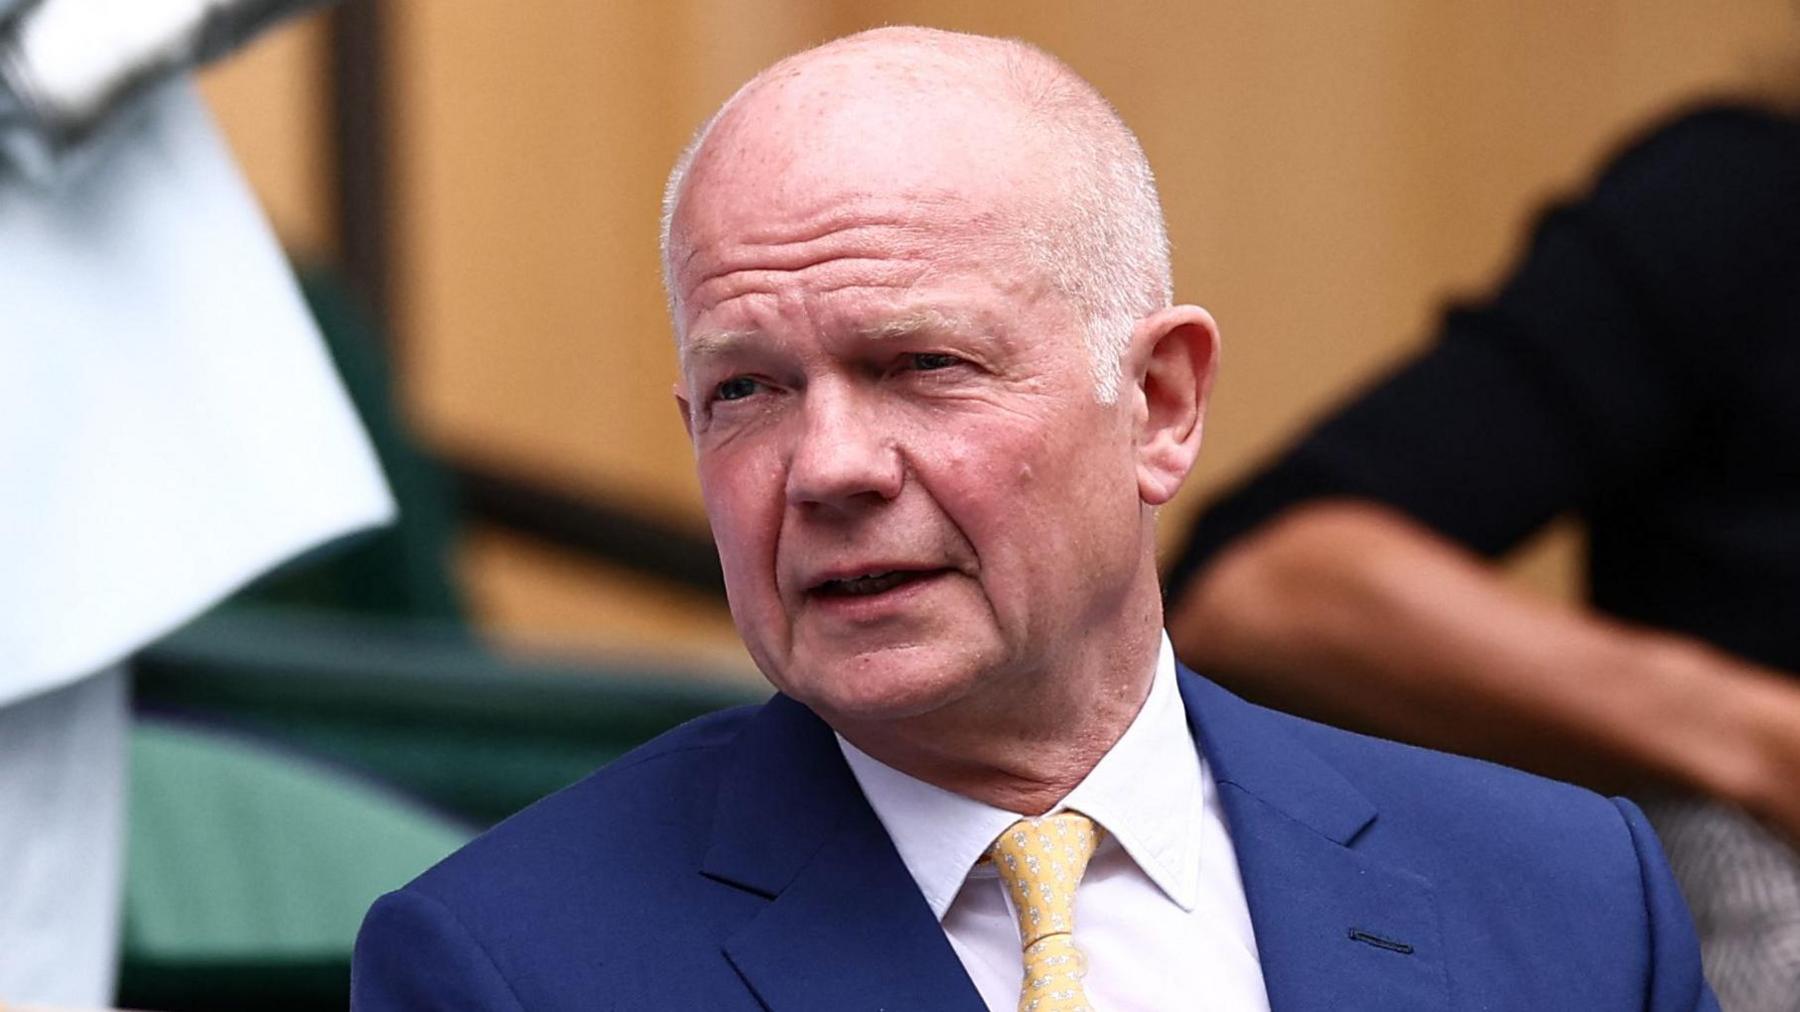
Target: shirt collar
point(1146, 792)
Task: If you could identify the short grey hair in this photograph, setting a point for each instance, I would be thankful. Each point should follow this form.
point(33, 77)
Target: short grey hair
point(1103, 243)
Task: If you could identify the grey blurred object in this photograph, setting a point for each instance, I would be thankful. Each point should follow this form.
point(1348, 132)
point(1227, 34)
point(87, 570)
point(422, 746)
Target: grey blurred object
point(69, 68)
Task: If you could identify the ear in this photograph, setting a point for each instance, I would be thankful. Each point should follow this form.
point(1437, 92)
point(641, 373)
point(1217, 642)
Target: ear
point(1174, 353)
point(687, 417)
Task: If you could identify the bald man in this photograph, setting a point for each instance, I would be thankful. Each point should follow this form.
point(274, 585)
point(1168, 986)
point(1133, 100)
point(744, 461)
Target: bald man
point(937, 387)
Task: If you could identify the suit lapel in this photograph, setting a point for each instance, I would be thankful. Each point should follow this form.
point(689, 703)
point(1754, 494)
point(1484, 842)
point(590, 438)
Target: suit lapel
point(1334, 928)
point(846, 927)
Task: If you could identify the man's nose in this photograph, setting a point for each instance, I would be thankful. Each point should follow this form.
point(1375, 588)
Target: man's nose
point(844, 456)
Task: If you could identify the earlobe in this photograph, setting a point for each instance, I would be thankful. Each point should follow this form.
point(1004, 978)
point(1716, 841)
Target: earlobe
point(1176, 351)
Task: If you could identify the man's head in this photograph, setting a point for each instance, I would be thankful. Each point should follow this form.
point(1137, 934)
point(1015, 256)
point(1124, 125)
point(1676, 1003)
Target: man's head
point(1100, 238)
point(933, 379)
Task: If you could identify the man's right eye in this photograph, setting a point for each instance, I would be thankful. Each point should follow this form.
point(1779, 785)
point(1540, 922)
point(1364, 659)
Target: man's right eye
point(735, 389)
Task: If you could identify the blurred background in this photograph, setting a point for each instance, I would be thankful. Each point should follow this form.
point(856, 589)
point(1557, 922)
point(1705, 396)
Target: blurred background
point(470, 191)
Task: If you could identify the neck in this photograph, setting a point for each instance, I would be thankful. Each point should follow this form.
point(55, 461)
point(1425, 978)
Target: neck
point(1024, 759)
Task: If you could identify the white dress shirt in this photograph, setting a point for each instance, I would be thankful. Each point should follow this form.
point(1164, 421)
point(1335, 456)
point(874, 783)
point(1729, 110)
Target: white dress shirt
point(1160, 913)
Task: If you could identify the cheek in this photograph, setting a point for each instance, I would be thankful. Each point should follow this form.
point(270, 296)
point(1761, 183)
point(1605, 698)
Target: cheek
point(983, 462)
point(743, 497)
point(1057, 496)
point(997, 483)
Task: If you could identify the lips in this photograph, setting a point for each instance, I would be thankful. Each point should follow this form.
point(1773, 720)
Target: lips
point(870, 584)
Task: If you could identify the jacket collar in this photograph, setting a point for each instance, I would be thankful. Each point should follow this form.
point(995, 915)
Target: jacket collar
point(846, 926)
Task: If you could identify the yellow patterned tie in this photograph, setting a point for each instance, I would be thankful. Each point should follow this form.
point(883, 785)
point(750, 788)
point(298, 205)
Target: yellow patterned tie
point(1041, 861)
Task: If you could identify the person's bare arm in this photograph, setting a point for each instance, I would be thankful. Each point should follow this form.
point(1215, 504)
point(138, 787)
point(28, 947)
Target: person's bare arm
point(1351, 613)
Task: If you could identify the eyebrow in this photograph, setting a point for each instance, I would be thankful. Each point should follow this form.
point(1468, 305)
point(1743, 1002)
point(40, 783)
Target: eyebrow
point(908, 323)
point(928, 319)
point(714, 343)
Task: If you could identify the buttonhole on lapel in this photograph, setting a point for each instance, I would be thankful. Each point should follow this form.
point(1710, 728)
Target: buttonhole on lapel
point(1359, 935)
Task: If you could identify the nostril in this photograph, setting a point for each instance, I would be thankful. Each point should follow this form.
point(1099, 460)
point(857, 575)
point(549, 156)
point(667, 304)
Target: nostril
point(834, 469)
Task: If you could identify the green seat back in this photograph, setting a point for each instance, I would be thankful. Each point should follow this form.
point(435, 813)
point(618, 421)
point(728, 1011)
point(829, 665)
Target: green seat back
point(247, 863)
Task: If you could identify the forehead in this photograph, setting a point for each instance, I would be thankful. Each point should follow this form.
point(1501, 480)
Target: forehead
point(849, 293)
point(851, 252)
point(878, 249)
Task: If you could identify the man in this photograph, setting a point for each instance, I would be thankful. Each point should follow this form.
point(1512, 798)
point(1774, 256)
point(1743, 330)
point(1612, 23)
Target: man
point(937, 389)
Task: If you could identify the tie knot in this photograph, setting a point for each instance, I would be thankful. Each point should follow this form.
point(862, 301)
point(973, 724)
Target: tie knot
point(1042, 861)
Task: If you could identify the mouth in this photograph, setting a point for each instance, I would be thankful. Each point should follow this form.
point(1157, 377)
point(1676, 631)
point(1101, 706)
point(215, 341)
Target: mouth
point(871, 584)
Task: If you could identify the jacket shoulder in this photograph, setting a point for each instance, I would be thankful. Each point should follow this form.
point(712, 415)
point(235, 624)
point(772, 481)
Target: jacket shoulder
point(1473, 828)
point(1524, 871)
point(1501, 806)
point(594, 889)
point(651, 804)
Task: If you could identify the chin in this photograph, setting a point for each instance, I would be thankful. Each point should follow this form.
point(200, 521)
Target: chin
point(881, 685)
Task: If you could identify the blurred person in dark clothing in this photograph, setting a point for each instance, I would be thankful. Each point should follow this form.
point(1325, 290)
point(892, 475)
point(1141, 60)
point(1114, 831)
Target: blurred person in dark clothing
point(1640, 369)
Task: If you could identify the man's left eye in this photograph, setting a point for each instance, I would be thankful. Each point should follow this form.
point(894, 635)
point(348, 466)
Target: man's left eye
point(736, 389)
point(931, 361)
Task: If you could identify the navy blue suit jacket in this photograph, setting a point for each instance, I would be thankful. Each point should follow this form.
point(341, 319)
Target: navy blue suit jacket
point(734, 864)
